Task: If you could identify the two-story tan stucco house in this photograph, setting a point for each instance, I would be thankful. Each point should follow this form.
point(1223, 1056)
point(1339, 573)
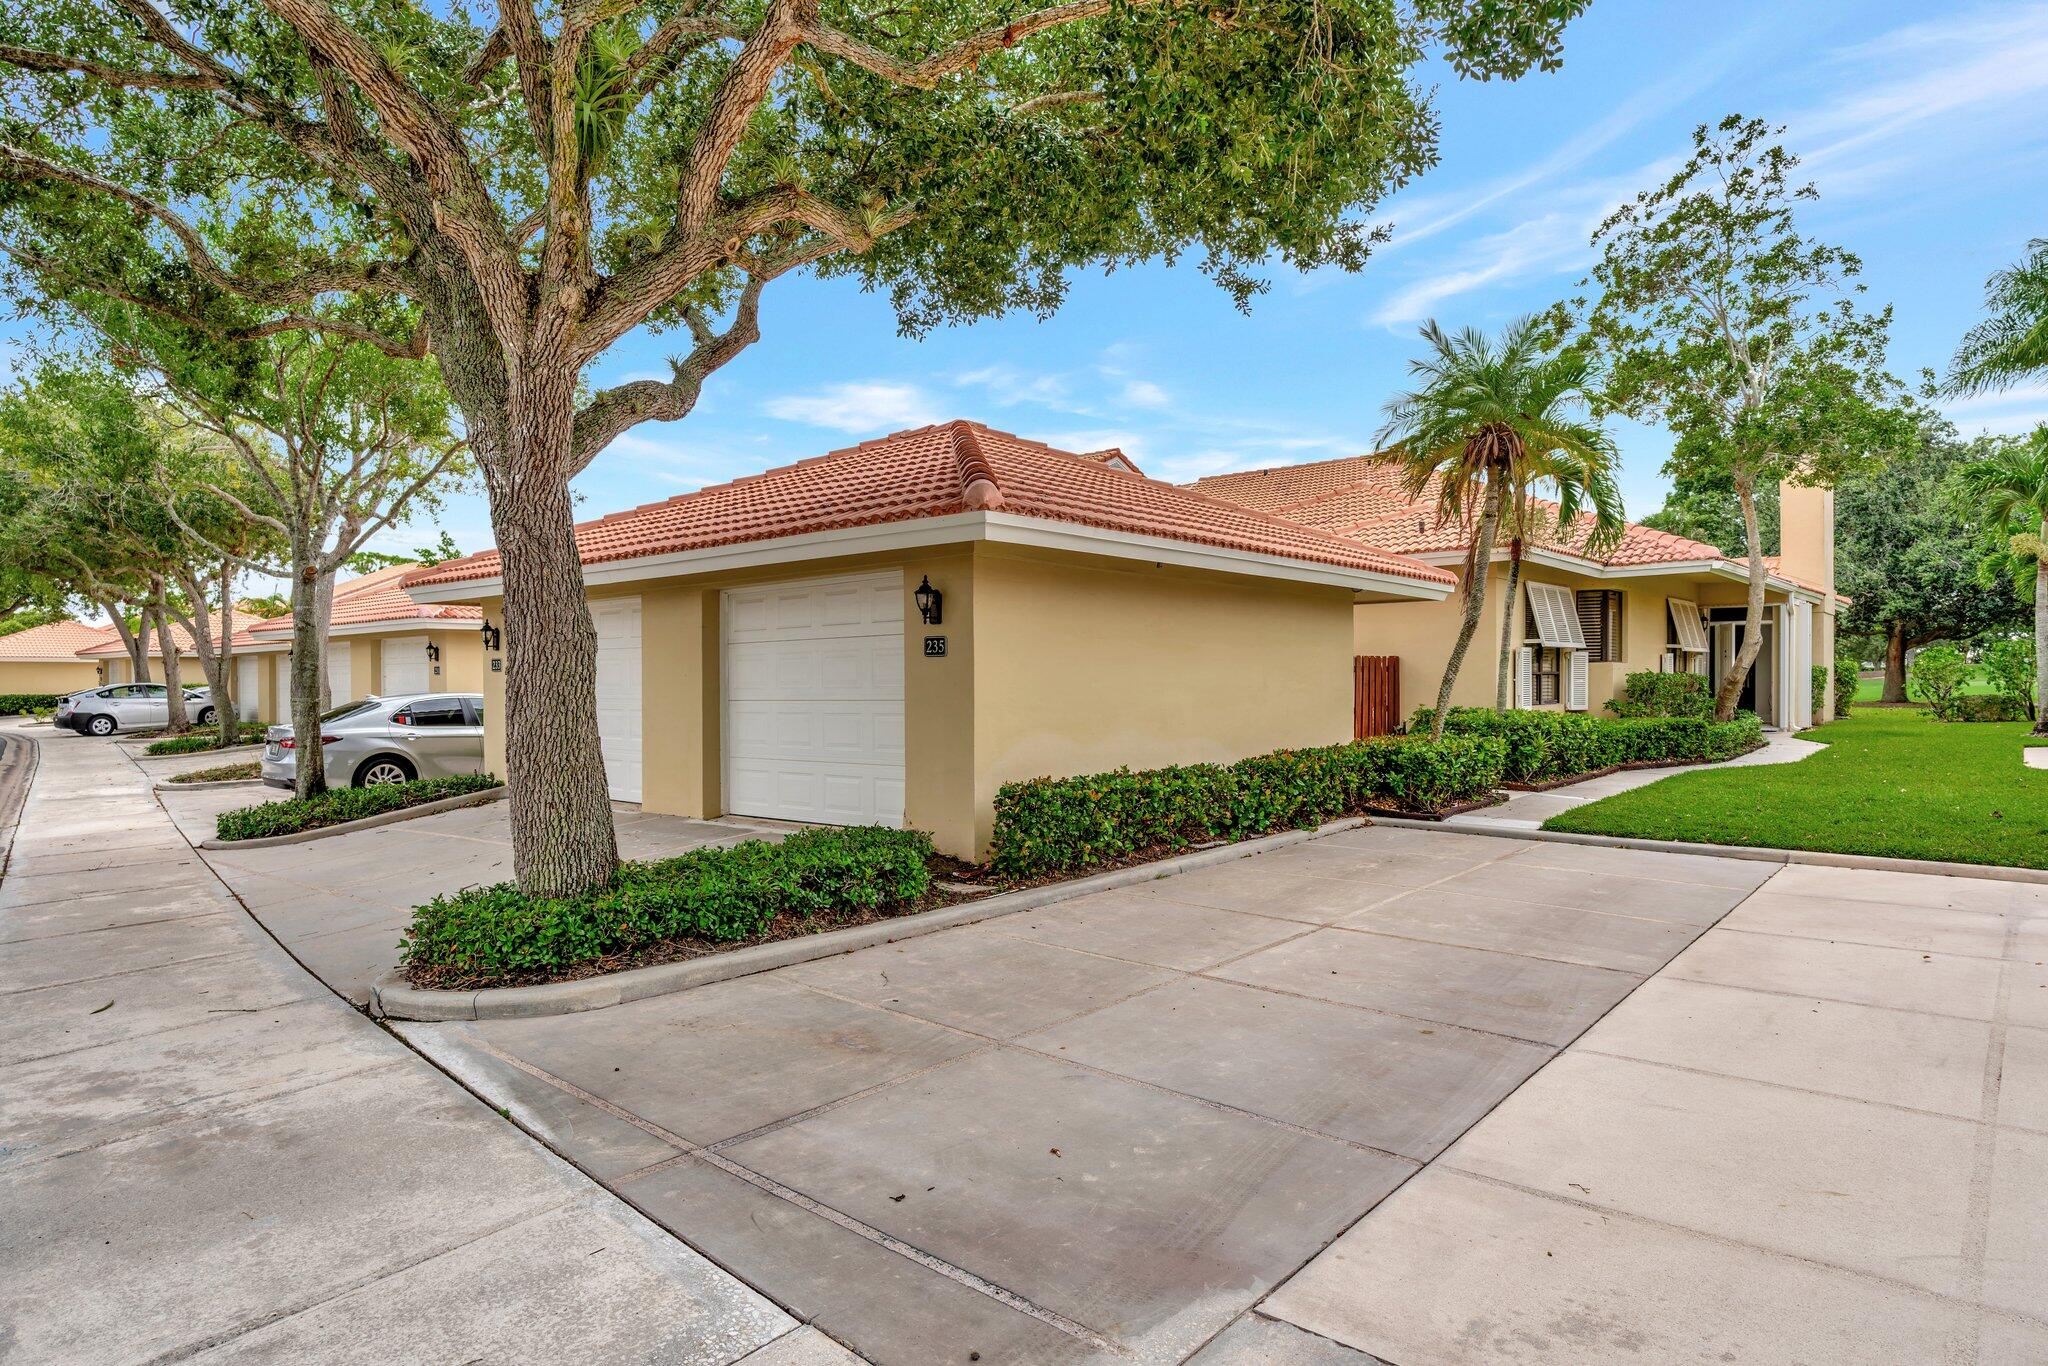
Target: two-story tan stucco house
point(1580, 622)
point(887, 633)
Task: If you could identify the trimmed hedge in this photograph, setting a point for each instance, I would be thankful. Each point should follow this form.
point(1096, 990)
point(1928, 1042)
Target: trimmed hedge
point(1542, 746)
point(1649, 692)
point(340, 804)
point(24, 703)
point(722, 894)
point(1057, 825)
point(1980, 707)
point(206, 738)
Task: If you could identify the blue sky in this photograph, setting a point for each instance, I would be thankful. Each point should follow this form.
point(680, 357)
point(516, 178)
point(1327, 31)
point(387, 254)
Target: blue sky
point(1920, 124)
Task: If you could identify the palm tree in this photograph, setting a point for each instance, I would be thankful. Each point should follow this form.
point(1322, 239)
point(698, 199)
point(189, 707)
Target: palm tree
point(2011, 344)
point(1581, 485)
point(1465, 437)
point(2011, 490)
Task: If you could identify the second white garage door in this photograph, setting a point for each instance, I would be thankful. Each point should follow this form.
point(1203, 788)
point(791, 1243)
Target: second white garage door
point(405, 666)
point(814, 700)
point(618, 693)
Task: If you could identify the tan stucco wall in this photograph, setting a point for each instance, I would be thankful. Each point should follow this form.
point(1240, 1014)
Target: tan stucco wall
point(1081, 666)
point(38, 676)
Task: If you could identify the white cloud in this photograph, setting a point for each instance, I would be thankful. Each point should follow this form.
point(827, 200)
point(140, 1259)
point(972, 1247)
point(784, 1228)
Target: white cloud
point(1009, 386)
point(1143, 393)
point(2009, 412)
point(870, 408)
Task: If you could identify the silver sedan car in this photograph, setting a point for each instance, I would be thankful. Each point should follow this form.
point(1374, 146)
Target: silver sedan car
point(388, 740)
point(129, 706)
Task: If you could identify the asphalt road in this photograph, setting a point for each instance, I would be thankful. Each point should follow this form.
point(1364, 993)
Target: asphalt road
point(17, 766)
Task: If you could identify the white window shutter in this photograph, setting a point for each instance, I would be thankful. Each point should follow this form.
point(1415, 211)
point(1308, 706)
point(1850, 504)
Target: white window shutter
point(1575, 698)
point(1557, 616)
point(1525, 677)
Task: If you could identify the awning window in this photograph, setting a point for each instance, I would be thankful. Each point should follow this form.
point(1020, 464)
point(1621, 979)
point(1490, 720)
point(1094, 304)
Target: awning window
point(1687, 632)
point(1554, 617)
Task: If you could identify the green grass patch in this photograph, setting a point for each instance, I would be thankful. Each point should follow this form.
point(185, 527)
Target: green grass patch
point(1871, 689)
point(225, 773)
point(669, 908)
point(1893, 783)
point(249, 733)
point(339, 805)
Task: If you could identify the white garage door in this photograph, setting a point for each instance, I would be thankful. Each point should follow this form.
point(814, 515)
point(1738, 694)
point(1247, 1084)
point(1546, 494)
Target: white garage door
point(814, 700)
point(338, 654)
point(618, 693)
point(248, 688)
point(283, 682)
point(405, 666)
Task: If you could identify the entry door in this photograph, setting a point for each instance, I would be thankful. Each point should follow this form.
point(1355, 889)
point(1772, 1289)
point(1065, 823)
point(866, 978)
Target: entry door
point(248, 687)
point(618, 693)
point(814, 700)
point(405, 666)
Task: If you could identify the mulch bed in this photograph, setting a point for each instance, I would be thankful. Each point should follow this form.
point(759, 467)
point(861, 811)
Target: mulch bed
point(1440, 813)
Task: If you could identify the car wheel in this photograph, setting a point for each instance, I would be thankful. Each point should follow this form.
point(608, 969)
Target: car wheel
point(206, 717)
point(100, 725)
point(385, 768)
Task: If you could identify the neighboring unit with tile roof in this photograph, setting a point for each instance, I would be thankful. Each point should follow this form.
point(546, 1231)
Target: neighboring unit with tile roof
point(1584, 620)
point(761, 651)
point(43, 661)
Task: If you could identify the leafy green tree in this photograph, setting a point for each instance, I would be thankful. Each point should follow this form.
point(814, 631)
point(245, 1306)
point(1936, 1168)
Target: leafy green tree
point(1703, 506)
point(2012, 343)
point(440, 552)
point(2010, 489)
point(1906, 551)
point(519, 194)
point(1726, 323)
point(1938, 674)
point(1490, 422)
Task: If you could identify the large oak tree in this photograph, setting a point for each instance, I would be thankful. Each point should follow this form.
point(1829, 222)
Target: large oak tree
point(534, 186)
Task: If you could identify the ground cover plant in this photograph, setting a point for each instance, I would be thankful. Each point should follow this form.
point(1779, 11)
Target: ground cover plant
point(1549, 746)
point(1059, 825)
point(225, 773)
point(28, 703)
point(248, 734)
point(340, 804)
point(696, 902)
point(1892, 782)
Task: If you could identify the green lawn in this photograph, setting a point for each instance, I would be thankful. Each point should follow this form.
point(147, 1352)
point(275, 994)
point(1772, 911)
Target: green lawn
point(1869, 689)
point(1890, 782)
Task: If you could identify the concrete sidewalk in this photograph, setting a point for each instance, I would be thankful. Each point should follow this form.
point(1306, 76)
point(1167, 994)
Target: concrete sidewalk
point(1528, 810)
point(206, 1155)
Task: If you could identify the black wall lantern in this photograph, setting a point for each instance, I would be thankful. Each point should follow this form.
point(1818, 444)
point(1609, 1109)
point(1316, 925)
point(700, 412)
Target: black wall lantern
point(433, 653)
point(493, 638)
point(929, 601)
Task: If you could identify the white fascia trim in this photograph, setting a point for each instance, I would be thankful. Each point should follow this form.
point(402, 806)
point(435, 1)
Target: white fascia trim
point(993, 527)
point(1593, 569)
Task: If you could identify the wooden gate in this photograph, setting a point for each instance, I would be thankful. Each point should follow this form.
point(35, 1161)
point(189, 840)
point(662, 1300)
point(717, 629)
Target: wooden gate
point(1375, 695)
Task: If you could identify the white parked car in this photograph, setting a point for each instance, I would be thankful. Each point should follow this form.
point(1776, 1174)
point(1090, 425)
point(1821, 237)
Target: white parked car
point(129, 706)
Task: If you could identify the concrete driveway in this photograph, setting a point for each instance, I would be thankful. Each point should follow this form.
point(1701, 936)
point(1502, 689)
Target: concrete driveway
point(340, 904)
point(1109, 1127)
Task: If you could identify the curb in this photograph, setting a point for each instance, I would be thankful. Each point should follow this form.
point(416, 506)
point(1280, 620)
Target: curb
point(166, 785)
point(489, 794)
point(392, 998)
point(1877, 863)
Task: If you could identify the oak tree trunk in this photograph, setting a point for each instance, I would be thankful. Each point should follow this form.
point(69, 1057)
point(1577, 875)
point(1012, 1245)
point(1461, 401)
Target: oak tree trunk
point(178, 720)
point(1507, 624)
point(1895, 664)
point(562, 835)
point(309, 675)
point(1477, 573)
point(1753, 619)
point(227, 708)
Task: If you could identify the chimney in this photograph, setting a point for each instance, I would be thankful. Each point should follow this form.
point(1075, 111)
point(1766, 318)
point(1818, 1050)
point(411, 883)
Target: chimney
point(1806, 534)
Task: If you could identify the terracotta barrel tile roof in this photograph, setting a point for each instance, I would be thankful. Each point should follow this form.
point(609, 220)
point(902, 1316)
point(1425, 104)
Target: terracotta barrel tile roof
point(1361, 497)
point(936, 471)
point(374, 598)
point(239, 623)
point(59, 641)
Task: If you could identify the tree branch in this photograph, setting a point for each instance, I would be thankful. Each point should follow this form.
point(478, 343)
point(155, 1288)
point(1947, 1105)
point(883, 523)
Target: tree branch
point(956, 56)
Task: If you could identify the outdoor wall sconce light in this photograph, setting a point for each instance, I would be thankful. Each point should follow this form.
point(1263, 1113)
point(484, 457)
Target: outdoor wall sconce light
point(494, 639)
point(929, 601)
point(433, 653)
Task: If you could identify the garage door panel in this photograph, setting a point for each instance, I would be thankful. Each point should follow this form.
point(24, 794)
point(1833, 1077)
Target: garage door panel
point(814, 700)
point(618, 694)
point(405, 666)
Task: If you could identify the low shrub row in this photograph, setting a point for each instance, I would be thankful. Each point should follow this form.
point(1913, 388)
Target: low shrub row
point(28, 703)
point(340, 804)
point(1980, 707)
point(1058, 825)
point(484, 935)
point(1651, 693)
point(1543, 746)
point(248, 733)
